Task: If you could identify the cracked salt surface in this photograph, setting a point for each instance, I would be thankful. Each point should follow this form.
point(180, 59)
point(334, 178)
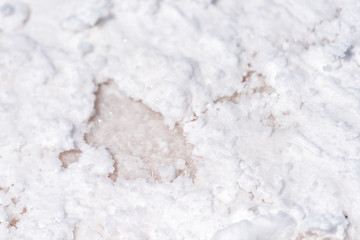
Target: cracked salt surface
point(179, 119)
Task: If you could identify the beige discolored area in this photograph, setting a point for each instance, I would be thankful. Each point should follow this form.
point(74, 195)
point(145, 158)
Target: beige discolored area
point(141, 144)
point(69, 157)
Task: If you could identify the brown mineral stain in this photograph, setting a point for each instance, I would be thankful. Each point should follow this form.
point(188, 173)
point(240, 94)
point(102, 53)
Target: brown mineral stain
point(137, 137)
point(69, 157)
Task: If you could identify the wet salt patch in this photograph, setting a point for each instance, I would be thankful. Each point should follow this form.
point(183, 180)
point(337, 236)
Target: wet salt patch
point(137, 138)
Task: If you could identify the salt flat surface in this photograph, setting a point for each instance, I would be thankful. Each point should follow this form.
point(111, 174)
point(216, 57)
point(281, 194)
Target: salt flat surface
point(167, 119)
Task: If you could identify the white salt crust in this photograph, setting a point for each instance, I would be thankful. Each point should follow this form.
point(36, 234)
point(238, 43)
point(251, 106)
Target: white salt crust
point(166, 119)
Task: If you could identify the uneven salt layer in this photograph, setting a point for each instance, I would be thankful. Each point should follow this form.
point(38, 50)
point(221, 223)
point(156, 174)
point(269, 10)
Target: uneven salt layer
point(267, 92)
point(139, 141)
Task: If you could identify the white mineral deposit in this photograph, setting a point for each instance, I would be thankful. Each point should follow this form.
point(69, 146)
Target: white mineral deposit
point(172, 120)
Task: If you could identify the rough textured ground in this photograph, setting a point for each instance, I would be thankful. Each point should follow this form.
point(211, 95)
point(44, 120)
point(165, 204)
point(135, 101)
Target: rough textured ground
point(166, 119)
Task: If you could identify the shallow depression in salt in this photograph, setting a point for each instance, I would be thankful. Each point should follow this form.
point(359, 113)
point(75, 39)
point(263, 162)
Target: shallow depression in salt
point(141, 144)
point(165, 119)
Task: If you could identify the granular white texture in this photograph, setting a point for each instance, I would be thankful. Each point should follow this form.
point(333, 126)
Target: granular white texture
point(166, 119)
